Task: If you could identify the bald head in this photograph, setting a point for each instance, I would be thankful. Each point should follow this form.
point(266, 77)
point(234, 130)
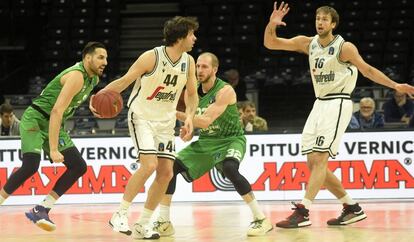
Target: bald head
point(212, 58)
point(207, 66)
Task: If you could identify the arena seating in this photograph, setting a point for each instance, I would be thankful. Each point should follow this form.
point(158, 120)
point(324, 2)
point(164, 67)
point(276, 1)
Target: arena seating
point(233, 29)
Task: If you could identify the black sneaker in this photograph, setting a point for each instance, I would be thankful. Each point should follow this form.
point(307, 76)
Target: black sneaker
point(39, 215)
point(350, 214)
point(299, 218)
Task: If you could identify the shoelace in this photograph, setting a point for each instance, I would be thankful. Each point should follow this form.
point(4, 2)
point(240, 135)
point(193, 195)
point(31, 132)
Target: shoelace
point(256, 224)
point(122, 217)
point(346, 210)
point(158, 224)
point(296, 212)
point(296, 207)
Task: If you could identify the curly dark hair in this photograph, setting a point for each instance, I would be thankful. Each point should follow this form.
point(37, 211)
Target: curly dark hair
point(178, 28)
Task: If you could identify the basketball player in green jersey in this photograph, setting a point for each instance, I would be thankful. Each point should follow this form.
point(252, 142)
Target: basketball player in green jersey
point(41, 127)
point(221, 144)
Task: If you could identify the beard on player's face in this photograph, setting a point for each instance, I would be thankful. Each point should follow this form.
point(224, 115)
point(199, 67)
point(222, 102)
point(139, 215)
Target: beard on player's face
point(96, 67)
point(204, 78)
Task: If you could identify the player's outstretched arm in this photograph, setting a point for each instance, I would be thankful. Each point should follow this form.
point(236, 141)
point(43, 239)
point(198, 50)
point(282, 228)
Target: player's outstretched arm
point(350, 54)
point(144, 64)
point(226, 96)
point(272, 41)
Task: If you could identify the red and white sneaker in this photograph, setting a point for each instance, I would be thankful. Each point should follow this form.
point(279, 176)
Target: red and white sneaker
point(299, 218)
point(350, 214)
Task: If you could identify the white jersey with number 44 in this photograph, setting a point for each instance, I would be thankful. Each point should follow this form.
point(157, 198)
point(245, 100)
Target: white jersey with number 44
point(155, 95)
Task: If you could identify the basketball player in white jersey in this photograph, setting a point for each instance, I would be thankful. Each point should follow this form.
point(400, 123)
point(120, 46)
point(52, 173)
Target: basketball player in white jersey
point(160, 75)
point(334, 65)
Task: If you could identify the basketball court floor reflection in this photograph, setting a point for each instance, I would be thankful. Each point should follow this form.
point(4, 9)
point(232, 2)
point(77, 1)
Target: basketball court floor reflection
point(215, 221)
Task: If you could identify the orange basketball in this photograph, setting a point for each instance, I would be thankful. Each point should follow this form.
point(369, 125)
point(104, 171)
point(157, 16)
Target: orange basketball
point(107, 103)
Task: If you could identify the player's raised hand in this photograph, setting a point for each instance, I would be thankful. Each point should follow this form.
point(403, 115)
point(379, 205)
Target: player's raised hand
point(405, 88)
point(278, 14)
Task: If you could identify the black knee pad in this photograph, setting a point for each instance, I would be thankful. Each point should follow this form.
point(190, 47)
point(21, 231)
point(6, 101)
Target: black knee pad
point(231, 171)
point(231, 168)
point(76, 167)
point(30, 165)
point(177, 169)
point(74, 161)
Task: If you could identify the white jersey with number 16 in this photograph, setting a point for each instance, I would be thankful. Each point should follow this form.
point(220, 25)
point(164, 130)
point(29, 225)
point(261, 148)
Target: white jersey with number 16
point(330, 76)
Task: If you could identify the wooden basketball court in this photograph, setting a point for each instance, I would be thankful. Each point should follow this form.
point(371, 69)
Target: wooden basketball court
point(387, 221)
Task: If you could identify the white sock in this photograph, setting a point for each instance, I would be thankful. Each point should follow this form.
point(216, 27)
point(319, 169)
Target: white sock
point(164, 213)
point(124, 205)
point(347, 199)
point(254, 207)
point(306, 202)
point(48, 202)
point(145, 216)
point(2, 199)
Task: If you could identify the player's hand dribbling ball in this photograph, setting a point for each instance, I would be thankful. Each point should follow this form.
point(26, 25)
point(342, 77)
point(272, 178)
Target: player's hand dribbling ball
point(107, 103)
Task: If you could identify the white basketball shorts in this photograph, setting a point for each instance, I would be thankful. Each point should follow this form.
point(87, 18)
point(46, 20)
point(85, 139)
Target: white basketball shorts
point(152, 137)
point(326, 125)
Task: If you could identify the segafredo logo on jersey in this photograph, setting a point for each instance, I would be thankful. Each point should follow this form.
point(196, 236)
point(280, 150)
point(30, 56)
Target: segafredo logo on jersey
point(324, 78)
point(292, 176)
point(162, 96)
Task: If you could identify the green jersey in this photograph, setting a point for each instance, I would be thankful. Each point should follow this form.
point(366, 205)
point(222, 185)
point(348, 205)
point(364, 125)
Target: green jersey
point(47, 99)
point(221, 140)
point(228, 123)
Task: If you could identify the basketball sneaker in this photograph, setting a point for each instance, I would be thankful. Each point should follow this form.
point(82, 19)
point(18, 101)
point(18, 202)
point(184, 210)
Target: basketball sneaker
point(144, 232)
point(39, 215)
point(259, 227)
point(299, 218)
point(164, 228)
point(119, 222)
point(350, 214)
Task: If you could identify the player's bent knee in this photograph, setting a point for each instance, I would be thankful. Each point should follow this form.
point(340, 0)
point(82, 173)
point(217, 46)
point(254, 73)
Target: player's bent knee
point(74, 161)
point(147, 169)
point(30, 165)
point(82, 168)
point(165, 176)
point(231, 171)
point(319, 165)
point(28, 170)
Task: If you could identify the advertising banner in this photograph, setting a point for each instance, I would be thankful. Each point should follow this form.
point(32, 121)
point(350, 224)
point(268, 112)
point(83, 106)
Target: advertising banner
point(375, 165)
